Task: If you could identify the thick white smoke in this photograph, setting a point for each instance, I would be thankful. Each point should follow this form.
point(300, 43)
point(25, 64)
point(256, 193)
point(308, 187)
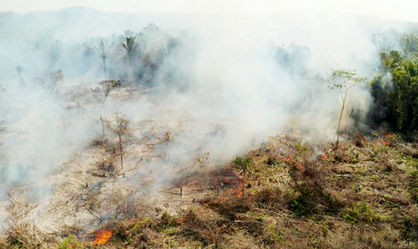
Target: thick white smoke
point(218, 84)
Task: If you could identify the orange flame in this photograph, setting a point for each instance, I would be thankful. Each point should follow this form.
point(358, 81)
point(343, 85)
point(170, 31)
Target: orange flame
point(239, 190)
point(387, 135)
point(102, 237)
point(223, 198)
point(180, 220)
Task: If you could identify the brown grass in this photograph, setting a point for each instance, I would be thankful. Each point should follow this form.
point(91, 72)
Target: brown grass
point(362, 195)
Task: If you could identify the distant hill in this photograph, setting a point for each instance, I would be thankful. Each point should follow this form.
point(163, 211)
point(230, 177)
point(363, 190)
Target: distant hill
point(26, 39)
point(78, 22)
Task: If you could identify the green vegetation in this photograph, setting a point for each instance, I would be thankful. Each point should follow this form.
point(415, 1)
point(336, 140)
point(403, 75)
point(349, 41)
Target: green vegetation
point(292, 201)
point(361, 213)
point(244, 163)
point(357, 194)
point(343, 81)
point(70, 243)
point(395, 89)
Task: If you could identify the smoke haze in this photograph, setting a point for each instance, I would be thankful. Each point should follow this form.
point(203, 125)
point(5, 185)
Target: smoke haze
point(217, 84)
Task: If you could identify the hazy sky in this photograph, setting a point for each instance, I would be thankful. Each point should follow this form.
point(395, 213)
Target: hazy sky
point(390, 9)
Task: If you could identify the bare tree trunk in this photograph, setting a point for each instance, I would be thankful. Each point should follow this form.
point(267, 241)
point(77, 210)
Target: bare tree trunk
point(121, 151)
point(103, 126)
point(339, 119)
point(103, 59)
point(243, 185)
point(104, 66)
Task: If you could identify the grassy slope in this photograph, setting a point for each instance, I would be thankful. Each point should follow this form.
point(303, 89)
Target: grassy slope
point(363, 195)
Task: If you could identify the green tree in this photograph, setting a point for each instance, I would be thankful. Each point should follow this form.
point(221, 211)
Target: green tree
point(402, 96)
point(130, 46)
point(103, 57)
point(342, 81)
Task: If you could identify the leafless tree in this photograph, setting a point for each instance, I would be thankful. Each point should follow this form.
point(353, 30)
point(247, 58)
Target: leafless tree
point(118, 126)
point(107, 86)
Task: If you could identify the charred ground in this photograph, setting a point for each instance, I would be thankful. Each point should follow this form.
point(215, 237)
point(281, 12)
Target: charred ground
point(282, 195)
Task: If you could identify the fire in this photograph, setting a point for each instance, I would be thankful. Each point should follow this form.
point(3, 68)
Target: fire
point(239, 190)
point(288, 159)
point(387, 135)
point(180, 220)
point(102, 237)
point(223, 198)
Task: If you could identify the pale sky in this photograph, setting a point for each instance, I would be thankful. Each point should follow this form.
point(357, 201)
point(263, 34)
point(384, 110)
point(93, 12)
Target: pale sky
point(405, 10)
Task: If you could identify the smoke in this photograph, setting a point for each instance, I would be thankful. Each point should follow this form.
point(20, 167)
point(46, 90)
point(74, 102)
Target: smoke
point(216, 84)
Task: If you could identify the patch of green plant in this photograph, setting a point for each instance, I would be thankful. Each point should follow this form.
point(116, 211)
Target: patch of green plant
point(355, 157)
point(271, 161)
point(171, 230)
point(166, 221)
point(269, 198)
point(70, 243)
point(302, 148)
point(413, 182)
point(194, 244)
point(309, 199)
point(412, 162)
point(243, 163)
point(302, 205)
point(413, 185)
point(16, 242)
point(272, 234)
point(410, 230)
point(356, 188)
point(361, 213)
point(325, 229)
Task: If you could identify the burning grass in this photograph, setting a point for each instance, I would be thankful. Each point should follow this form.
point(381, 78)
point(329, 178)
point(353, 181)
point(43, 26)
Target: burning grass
point(102, 237)
point(286, 195)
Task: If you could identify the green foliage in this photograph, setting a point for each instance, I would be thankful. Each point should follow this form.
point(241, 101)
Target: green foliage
point(70, 243)
point(301, 204)
point(313, 200)
point(361, 213)
point(396, 102)
point(272, 235)
point(130, 46)
point(410, 230)
point(166, 222)
point(244, 163)
point(409, 44)
point(413, 182)
point(342, 81)
point(303, 148)
point(271, 161)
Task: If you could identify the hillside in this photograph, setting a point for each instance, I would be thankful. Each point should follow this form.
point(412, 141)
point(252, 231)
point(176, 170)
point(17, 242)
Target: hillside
point(293, 130)
point(281, 195)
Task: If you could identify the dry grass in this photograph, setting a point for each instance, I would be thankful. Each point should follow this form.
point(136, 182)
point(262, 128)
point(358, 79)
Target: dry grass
point(287, 195)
